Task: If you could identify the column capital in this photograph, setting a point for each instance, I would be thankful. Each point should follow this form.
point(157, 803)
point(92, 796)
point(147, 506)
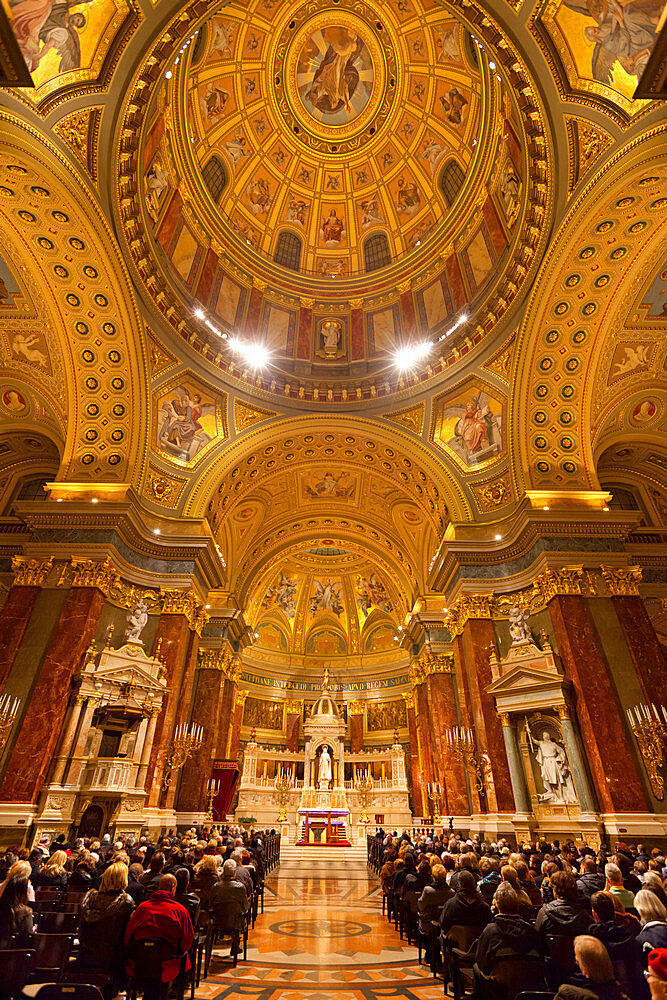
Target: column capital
point(294, 706)
point(504, 719)
point(184, 602)
point(622, 581)
point(30, 572)
point(88, 573)
point(563, 712)
point(355, 707)
point(240, 697)
point(466, 607)
point(409, 699)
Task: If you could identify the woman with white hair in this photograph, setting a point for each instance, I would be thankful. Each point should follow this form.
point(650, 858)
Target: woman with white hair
point(653, 916)
point(653, 882)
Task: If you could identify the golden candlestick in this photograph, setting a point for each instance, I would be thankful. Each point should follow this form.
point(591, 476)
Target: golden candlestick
point(9, 708)
point(213, 789)
point(364, 785)
point(284, 783)
point(433, 793)
point(186, 740)
point(462, 744)
point(650, 732)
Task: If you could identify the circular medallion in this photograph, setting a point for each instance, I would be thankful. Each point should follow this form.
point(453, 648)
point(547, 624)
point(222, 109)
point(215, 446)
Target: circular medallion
point(334, 74)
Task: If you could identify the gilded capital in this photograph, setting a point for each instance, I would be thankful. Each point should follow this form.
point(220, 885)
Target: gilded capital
point(211, 659)
point(409, 699)
point(87, 573)
point(355, 707)
point(240, 697)
point(504, 719)
point(466, 607)
point(184, 602)
point(622, 581)
point(30, 572)
point(563, 712)
point(294, 706)
point(559, 582)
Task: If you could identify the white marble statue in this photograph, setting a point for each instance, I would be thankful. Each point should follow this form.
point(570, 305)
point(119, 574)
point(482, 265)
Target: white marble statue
point(137, 619)
point(324, 773)
point(519, 630)
point(554, 768)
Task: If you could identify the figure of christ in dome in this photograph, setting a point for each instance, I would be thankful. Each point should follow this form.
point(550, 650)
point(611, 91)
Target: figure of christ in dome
point(333, 229)
point(336, 78)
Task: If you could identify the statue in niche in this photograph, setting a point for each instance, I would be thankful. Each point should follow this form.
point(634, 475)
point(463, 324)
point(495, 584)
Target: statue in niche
point(137, 619)
point(519, 629)
point(324, 773)
point(554, 769)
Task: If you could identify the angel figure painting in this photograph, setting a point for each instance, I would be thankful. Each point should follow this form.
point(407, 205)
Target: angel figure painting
point(283, 594)
point(186, 422)
point(609, 41)
point(371, 594)
point(470, 427)
point(326, 595)
point(334, 75)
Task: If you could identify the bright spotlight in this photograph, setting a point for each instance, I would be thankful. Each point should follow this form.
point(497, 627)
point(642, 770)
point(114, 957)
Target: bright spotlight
point(411, 354)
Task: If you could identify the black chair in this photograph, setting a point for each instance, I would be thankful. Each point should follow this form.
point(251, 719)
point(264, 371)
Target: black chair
point(16, 966)
point(219, 931)
point(203, 933)
point(461, 938)
point(513, 974)
point(58, 923)
point(147, 958)
point(61, 991)
point(629, 974)
point(560, 959)
point(51, 954)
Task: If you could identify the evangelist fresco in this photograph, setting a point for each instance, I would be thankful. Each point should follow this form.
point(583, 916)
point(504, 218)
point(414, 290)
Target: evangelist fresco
point(282, 594)
point(469, 426)
point(263, 714)
point(385, 715)
point(64, 42)
point(330, 485)
point(9, 290)
point(604, 44)
point(334, 75)
point(655, 298)
point(371, 594)
point(186, 421)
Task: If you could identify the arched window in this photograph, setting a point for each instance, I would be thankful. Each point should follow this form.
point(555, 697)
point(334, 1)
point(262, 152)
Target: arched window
point(199, 46)
point(622, 498)
point(451, 181)
point(376, 252)
point(32, 489)
point(288, 250)
point(471, 49)
point(215, 177)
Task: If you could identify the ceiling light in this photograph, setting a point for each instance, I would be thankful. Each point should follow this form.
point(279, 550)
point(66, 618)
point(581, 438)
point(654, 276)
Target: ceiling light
point(498, 537)
point(168, 74)
point(545, 508)
point(492, 65)
point(94, 500)
point(408, 356)
point(59, 499)
point(208, 606)
point(156, 531)
point(606, 508)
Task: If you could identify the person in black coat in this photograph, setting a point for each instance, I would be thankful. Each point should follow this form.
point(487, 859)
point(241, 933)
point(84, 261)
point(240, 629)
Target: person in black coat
point(564, 915)
point(507, 933)
point(134, 887)
point(467, 908)
point(590, 880)
point(190, 900)
point(15, 914)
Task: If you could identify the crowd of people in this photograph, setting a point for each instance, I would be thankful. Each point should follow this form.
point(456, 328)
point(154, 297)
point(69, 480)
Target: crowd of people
point(136, 889)
point(610, 903)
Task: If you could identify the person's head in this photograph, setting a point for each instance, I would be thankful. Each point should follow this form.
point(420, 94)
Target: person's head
point(56, 863)
point(649, 907)
point(588, 866)
point(20, 869)
point(467, 887)
point(114, 878)
point(15, 895)
point(506, 899)
point(168, 884)
point(508, 874)
point(623, 862)
point(564, 886)
point(237, 856)
point(182, 876)
point(613, 875)
point(424, 868)
point(229, 868)
point(137, 870)
point(439, 876)
point(602, 906)
point(593, 958)
point(156, 864)
point(657, 973)
point(653, 882)
point(208, 864)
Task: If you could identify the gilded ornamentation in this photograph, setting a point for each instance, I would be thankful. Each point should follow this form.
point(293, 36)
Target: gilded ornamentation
point(562, 582)
point(294, 706)
point(162, 488)
point(494, 493)
point(88, 573)
point(79, 131)
point(184, 602)
point(246, 415)
point(504, 719)
point(412, 418)
point(240, 697)
point(467, 606)
point(30, 572)
point(220, 659)
point(355, 707)
point(409, 700)
point(501, 363)
point(622, 581)
point(586, 142)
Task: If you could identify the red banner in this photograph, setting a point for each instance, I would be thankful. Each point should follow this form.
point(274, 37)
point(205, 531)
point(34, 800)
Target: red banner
point(226, 772)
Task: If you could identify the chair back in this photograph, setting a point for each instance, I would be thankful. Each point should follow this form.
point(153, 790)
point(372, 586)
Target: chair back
point(46, 894)
point(16, 965)
point(51, 951)
point(70, 991)
point(147, 958)
point(74, 895)
point(560, 948)
point(57, 923)
point(462, 937)
point(516, 973)
point(629, 974)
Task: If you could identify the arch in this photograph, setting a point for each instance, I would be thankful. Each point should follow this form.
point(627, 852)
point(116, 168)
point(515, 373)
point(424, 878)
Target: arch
point(451, 180)
point(288, 249)
point(377, 253)
point(215, 177)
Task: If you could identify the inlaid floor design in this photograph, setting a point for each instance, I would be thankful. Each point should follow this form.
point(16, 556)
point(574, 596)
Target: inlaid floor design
point(322, 936)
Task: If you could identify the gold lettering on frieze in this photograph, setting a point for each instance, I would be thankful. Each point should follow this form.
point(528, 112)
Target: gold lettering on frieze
point(30, 572)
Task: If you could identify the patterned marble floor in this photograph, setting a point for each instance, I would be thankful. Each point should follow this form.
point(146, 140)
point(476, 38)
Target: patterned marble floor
point(322, 936)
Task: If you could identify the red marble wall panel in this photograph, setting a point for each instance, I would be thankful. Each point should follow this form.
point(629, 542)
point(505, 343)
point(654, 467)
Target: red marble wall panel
point(610, 759)
point(356, 733)
point(417, 801)
point(153, 138)
point(436, 732)
point(356, 334)
point(453, 775)
point(207, 275)
point(478, 638)
point(644, 646)
point(292, 727)
point(305, 333)
point(183, 711)
point(225, 718)
point(254, 312)
point(464, 700)
point(14, 618)
point(192, 792)
point(495, 226)
point(235, 735)
point(170, 221)
point(423, 717)
point(40, 728)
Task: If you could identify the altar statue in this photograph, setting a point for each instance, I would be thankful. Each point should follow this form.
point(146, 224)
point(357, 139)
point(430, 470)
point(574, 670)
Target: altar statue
point(554, 768)
point(324, 773)
point(137, 619)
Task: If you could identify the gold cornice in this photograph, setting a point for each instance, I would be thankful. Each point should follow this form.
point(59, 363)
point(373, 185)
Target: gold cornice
point(30, 572)
point(184, 602)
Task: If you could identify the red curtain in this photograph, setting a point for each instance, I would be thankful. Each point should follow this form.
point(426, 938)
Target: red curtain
point(227, 773)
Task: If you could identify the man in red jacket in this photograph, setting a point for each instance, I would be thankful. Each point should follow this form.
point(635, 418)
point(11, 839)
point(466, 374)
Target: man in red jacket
point(161, 918)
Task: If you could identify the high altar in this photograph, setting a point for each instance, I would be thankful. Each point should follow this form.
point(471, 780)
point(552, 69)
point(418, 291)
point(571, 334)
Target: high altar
point(324, 807)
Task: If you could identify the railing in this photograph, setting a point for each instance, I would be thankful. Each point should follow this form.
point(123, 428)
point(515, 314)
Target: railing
point(110, 773)
point(271, 850)
point(374, 853)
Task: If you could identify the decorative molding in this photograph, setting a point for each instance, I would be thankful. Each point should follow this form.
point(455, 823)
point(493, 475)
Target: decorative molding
point(430, 663)
point(355, 707)
point(163, 489)
point(79, 131)
point(294, 706)
point(412, 418)
point(586, 143)
point(246, 415)
point(222, 660)
point(622, 581)
point(409, 700)
point(491, 494)
point(30, 572)
point(184, 602)
point(240, 697)
point(500, 364)
point(88, 573)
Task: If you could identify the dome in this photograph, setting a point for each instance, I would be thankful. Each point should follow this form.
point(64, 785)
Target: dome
point(324, 707)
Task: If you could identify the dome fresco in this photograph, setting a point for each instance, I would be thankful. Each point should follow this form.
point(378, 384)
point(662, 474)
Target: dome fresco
point(331, 182)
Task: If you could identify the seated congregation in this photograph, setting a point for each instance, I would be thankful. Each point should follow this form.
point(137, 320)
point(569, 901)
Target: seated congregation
point(543, 921)
point(132, 916)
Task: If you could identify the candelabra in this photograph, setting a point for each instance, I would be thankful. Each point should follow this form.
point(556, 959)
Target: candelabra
point(186, 740)
point(213, 789)
point(8, 711)
point(284, 783)
point(650, 731)
point(462, 744)
point(364, 785)
point(434, 795)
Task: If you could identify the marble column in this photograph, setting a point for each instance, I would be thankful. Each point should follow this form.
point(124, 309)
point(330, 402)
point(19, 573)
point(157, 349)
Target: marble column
point(611, 761)
point(452, 774)
point(355, 711)
point(66, 744)
point(183, 713)
point(206, 710)
point(517, 775)
point(415, 766)
point(478, 638)
point(293, 716)
point(577, 763)
point(77, 760)
point(29, 575)
point(237, 721)
point(477, 804)
point(437, 736)
point(41, 724)
point(423, 718)
point(643, 645)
